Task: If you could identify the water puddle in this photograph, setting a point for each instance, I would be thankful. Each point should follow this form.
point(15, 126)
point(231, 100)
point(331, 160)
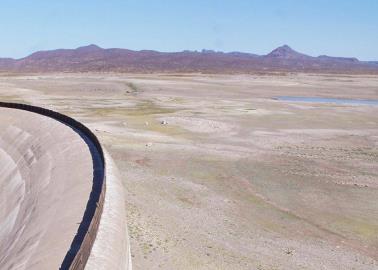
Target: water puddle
point(372, 102)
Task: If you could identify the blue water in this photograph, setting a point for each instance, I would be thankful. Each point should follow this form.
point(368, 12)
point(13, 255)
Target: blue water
point(372, 102)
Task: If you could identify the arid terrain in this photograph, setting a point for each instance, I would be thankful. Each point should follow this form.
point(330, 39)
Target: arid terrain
point(220, 175)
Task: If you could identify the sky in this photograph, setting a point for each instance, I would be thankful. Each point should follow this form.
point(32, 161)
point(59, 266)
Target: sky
point(315, 27)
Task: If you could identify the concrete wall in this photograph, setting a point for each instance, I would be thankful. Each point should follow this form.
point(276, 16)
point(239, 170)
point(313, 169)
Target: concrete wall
point(81, 246)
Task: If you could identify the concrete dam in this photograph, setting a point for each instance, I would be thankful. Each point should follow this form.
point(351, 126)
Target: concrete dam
point(61, 199)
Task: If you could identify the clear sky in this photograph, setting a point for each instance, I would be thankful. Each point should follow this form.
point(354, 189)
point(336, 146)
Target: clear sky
point(332, 27)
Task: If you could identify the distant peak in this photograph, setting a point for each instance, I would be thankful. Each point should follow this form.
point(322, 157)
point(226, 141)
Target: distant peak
point(285, 51)
point(91, 47)
point(207, 51)
point(285, 47)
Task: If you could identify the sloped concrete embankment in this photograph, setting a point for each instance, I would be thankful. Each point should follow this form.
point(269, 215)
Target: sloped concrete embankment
point(54, 206)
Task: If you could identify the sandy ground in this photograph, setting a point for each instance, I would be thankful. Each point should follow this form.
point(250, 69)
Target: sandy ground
point(218, 175)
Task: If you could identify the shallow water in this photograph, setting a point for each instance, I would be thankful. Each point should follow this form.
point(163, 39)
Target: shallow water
point(373, 102)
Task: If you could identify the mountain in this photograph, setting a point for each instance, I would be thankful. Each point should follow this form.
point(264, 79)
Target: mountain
point(94, 58)
point(285, 52)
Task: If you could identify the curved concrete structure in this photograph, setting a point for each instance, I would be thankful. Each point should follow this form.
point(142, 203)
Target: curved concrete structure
point(53, 199)
point(111, 249)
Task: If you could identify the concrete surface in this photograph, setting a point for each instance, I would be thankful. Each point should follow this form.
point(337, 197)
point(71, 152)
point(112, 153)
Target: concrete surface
point(45, 178)
point(111, 249)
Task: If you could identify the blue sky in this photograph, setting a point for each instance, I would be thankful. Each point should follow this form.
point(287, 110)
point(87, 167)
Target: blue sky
point(333, 27)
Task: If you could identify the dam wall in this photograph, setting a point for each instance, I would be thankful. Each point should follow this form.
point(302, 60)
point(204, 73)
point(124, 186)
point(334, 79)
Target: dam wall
point(56, 170)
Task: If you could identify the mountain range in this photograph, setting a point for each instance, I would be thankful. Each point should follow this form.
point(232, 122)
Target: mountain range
point(96, 59)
